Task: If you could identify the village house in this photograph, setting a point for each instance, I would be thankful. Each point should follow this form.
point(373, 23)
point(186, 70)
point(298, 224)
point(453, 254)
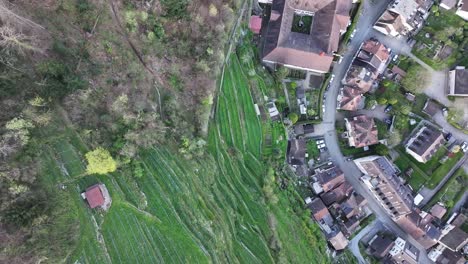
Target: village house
point(443, 255)
point(327, 179)
point(350, 212)
point(431, 108)
point(304, 34)
point(448, 4)
point(380, 246)
point(451, 242)
point(403, 252)
point(337, 194)
point(374, 54)
point(381, 177)
point(462, 10)
point(398, 75)
point(296, 151)
point(97, 196)
point(326, 222)
point(458, 81)
point(425, 143)
point(361, 77)
point(350, 99)
point(459, 220)
point(303, 130)
point(403, 18)
point(453, 238)
point(361, 131)
point(420, 226)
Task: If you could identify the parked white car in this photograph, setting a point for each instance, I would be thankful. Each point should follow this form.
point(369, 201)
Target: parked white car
point(464, 147)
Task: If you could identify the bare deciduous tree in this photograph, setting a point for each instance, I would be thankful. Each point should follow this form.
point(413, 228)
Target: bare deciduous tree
point(14, 40)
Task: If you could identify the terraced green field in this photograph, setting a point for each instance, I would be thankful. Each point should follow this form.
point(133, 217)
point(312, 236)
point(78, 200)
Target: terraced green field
point(206, 210)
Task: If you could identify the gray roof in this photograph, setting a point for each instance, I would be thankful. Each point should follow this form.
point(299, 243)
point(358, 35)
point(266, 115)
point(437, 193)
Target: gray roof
point(296, 151)
point(455, 239)
point(395, 195)
point(449, 3)
point(461, 81)
point(381, 246)
point(426, 142)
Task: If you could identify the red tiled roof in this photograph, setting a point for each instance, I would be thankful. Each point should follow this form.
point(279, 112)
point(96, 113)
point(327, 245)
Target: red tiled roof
point(255, 24)
point(364, 131)
point(299, 58)
point(94, 196)
point(283, 46)
point(351, 98)
point(376, 48)
point(438, 211)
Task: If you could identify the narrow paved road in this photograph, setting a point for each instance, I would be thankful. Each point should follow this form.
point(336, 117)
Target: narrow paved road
point(371, 12)
point(354, 243)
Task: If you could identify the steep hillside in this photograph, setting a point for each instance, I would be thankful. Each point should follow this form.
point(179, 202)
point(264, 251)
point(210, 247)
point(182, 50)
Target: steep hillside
point(138, 79)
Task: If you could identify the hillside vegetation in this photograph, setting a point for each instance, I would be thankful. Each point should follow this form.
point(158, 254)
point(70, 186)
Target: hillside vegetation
point(132, 83)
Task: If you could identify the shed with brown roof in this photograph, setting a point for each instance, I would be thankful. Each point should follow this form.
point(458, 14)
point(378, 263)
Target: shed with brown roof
point(438, 211)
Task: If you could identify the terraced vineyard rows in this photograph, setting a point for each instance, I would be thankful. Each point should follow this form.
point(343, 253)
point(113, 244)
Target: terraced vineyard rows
point(210, 209)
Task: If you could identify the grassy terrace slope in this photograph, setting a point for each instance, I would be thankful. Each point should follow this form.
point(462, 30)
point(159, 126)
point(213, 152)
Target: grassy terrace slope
point(189, 211)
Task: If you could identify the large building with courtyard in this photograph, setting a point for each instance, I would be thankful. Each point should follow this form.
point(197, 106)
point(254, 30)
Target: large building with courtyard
point(304, 34)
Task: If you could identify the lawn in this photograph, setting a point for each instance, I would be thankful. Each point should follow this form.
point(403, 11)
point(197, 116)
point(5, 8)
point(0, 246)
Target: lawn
point(417, 178)
point(452, 190)
point(443, 28)
point(205, 210)
point(302, 24)
point(312, 149)
point(381, 128)
point(429, 173)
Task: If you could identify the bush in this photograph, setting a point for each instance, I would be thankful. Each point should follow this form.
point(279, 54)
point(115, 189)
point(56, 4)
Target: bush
point(416, 79)
point(100, 162)
point(293, 117)
point(382, 150)
point(382, 100)
point(175, 8)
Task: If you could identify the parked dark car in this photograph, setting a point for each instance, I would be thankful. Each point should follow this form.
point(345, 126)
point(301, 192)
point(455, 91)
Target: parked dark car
point(448, 136)
point(388, 121)
point(388, 108)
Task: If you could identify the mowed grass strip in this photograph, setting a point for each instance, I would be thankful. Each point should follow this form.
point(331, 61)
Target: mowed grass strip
point(252, 124)
point(70, 158)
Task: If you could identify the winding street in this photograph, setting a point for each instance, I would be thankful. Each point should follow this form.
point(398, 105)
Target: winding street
point(371, 12)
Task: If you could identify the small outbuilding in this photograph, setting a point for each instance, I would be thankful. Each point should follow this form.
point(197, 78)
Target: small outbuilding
point(438, 211)
point(255, 24)
point(97, 196)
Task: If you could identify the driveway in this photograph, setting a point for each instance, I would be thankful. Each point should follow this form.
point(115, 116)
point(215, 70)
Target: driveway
point(439, 119)
point(378, 112)
point(371, 12)
point(375, 226)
